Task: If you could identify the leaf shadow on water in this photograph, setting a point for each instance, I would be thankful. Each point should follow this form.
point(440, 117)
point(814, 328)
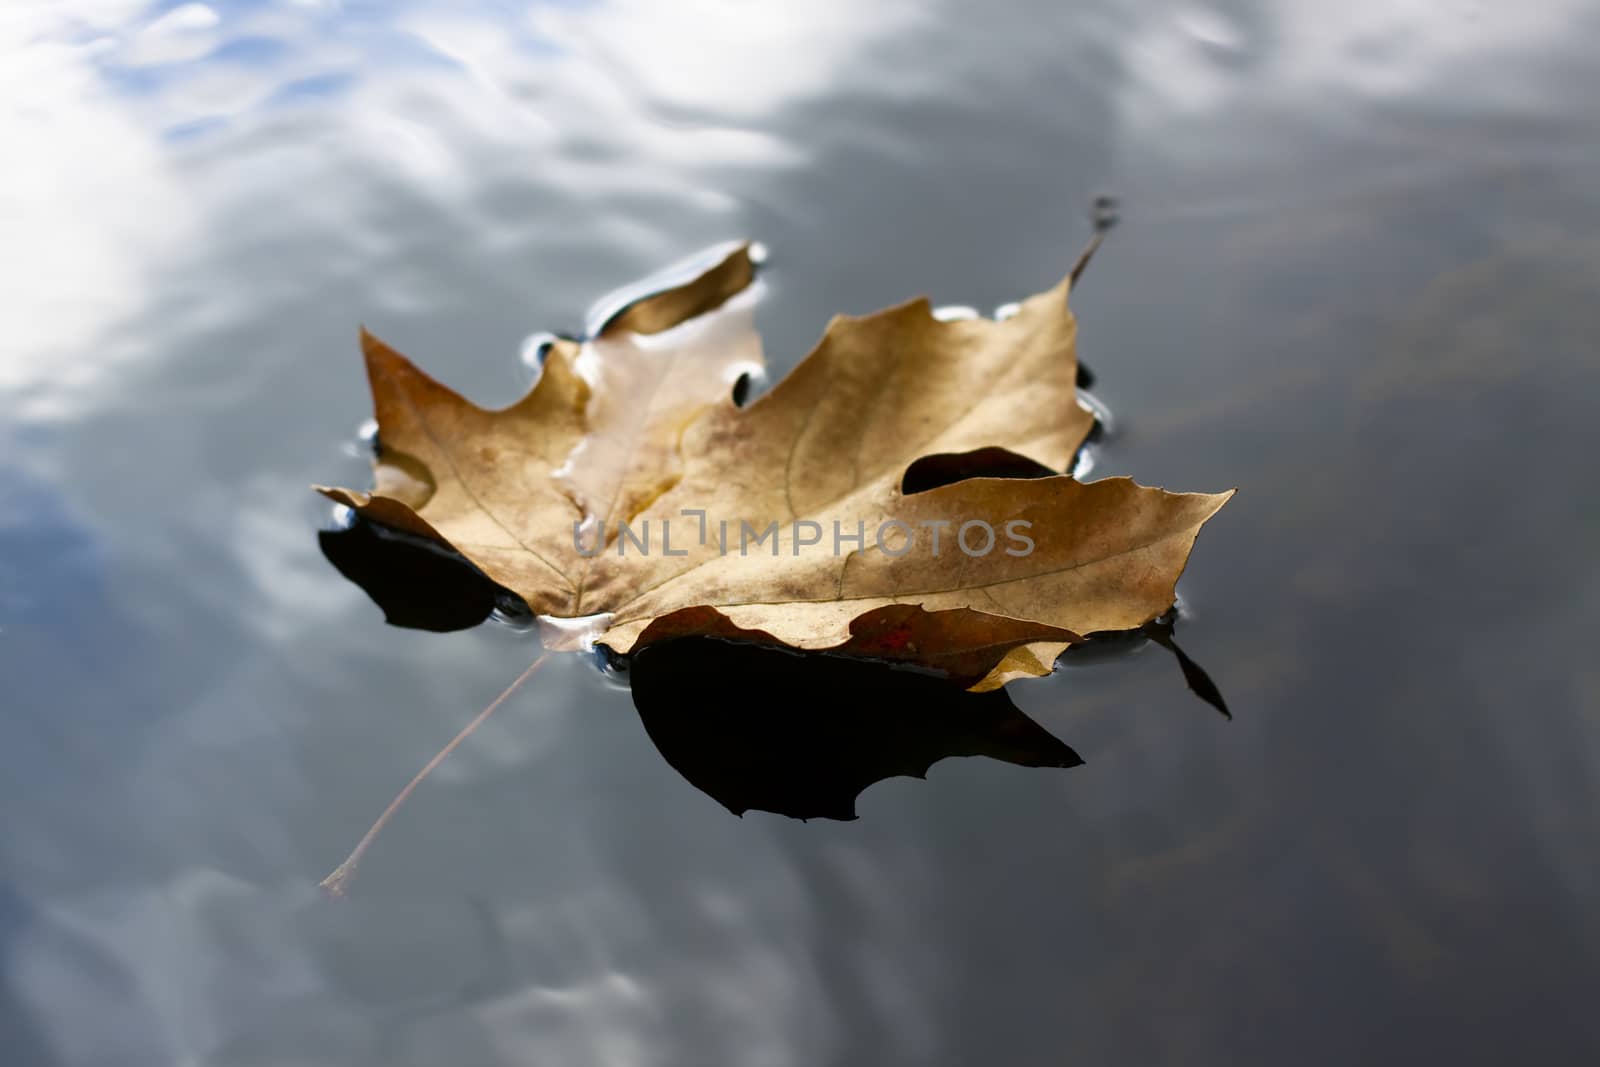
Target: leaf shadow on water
point(757, 727)
point(803, 734)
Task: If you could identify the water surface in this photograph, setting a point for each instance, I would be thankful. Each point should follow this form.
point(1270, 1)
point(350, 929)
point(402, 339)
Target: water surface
point(1356, 278)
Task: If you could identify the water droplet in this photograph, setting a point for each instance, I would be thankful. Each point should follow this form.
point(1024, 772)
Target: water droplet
point(511, 611)
point(535, 347)
point(1089, 453)
point(1102, 414)
point(613, 668)
point(365, 444)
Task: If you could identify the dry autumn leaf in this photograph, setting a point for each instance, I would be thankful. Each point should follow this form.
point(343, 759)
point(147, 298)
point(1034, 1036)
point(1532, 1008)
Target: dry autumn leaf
point(628, 489)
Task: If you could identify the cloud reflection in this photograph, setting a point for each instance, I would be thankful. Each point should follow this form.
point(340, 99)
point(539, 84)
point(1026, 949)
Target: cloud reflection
point(113, 113)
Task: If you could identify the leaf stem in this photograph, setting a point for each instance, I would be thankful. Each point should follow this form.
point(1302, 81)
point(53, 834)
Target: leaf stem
point(338, 882)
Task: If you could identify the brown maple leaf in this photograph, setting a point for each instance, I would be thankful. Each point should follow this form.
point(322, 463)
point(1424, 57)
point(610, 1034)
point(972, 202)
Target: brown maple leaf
point(628, 488)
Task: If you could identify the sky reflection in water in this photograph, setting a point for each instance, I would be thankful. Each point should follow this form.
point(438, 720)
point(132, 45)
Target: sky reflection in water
point(1355, 279)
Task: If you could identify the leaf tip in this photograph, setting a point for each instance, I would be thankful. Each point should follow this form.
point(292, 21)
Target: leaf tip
point(370, 342)
point(349, 498)
point(380, 356)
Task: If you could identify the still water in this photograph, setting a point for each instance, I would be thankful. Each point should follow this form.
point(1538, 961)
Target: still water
point(1357, 277)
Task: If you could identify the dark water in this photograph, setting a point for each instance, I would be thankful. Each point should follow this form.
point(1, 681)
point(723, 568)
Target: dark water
point(1357, 278)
